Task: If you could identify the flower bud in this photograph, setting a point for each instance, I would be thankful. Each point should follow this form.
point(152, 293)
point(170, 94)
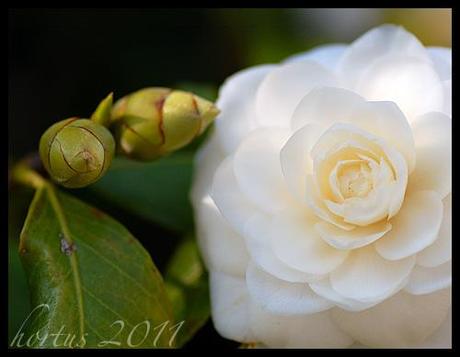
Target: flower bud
point(76, 152)
point(155, 121)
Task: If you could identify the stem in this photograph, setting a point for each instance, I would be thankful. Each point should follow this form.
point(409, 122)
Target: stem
point(23, 174)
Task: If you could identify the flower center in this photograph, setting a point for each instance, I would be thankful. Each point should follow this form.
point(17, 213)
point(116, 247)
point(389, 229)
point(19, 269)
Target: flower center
point(355, 179)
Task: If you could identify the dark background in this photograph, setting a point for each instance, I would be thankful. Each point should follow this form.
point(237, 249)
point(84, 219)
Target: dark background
point(61, 63)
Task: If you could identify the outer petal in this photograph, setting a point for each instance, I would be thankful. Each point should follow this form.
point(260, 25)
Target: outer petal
point(225, 192)
point(295, 159)
point(401, 321)
point(210, 224)
point(447, 90)
point(442, 59)
point(207, 159)
point(257, 169)
point(356, 238)
point(281, 297)
point(237, 105)
point(427, 280)
point(222, 248)
point(298, 331)
point(326, 106)
point(259, 247)
point(285, 86)
point(414, 228)
point(441, 250)
point(442, 337)
point(230, 304)
point(323, 288)
point(366, 276)
point(379, 42)
point(433, 144)
point(296, 243)
point(326, 55)
point(411, 83)
point(385, 120)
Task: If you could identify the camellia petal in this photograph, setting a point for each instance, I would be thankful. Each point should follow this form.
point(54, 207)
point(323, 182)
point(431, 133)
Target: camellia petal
point(281, 297)
point(411, 83)
point(414, 228)
point(442, 337)
point(447, 90)
point(209, 219)
point(364, 211)
point(335, 171)
point(237, 105)
point(298, 331)
point(326, 106)
point(296, 243)
point(385, 119)
point(318, 206)
point(232, 204)
point(259, 246)
point(230, 307)
point(433, 144)
point(442, 59)
point(356, 238)
point(427, 280)
point(324, 288)
point(441, 250)
point(227, 254)
point(366, 276)
point(283, 88)
point(379, 42)
point(257, 169)
point(347, 140)
point(295, 159)
point(401, 321)
point(342, 133)
point(207, 159)
point(326, 55)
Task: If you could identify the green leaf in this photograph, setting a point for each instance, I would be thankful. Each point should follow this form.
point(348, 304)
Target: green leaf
point(18, 291)
point(89, 277)
point(157, 191)
point(187, 287)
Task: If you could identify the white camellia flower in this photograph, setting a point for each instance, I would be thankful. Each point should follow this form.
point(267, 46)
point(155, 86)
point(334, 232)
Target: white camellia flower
point(323, 198)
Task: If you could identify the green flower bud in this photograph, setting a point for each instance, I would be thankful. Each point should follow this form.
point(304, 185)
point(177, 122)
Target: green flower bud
point(155, 121)
point(76, 152)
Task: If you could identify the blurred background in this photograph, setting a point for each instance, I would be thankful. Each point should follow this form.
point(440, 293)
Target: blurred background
point(61, 63)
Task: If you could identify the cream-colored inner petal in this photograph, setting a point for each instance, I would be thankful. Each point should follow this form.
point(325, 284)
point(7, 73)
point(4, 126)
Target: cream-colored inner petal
point(357, 176)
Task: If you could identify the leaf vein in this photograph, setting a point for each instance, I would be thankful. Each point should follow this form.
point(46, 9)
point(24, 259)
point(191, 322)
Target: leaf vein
point(73, 258)
point(103, 304)
point(115, 266)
